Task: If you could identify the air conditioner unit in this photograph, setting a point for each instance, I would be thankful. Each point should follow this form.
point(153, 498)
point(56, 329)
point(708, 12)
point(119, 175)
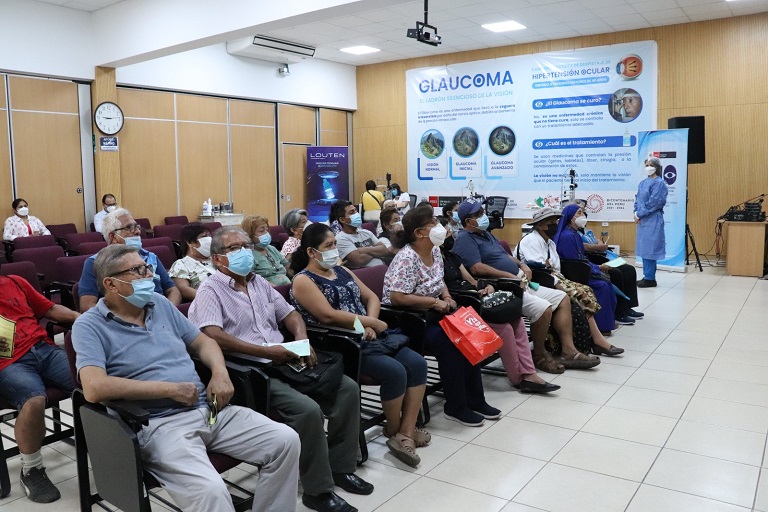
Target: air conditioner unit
point(270, 49)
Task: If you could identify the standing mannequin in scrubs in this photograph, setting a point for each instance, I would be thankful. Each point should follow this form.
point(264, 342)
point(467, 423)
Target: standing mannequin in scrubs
point(649, 217)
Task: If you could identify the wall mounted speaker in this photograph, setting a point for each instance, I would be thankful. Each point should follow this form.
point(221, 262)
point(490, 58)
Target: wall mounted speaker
point(696, 145)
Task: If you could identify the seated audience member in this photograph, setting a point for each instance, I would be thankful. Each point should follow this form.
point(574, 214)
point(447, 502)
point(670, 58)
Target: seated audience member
point(538, 247)
point(326, 293)
point(293, 223)
point(195, 267)
point(569, 246)
point(22, 223)
point(451, 212)
point(403, 200)
point(119, 228)
point(482, 254)
point(28, 363)
point(267, 260)
point(372, 201)
point(357, 247)
point(414, 279)
point(390, 223)
point(109, 204)
point(135, 345)
point(516, 352)
point(333, 221)
point(240, 310)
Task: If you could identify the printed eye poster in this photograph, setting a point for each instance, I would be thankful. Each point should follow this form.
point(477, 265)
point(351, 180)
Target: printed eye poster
point(516, 126)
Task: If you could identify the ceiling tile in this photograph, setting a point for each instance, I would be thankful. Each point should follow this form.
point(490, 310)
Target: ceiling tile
point(624, 20)
point(597, 4)
point(721, 8)
point(664, 15)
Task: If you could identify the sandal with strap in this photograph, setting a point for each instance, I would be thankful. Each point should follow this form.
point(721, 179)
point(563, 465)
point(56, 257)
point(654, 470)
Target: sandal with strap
point(549, 364)
point(580, 361)
point(404, 449)
point(420, 436)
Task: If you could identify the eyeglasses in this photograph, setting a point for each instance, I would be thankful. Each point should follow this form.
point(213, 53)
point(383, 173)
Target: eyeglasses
point(235, 247)
point(130, 228)
point(139, 270)
point(213, 411)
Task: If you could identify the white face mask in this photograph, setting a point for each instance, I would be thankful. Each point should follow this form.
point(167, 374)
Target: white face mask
point(23, 211)
point(650, 170)
point(205, 246)
point(330, 258)
point(110, 208)
point(581, 222)
point(437, 235)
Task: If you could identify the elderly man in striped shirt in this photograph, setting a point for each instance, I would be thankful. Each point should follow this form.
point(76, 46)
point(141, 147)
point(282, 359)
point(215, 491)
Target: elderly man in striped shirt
point(241, 311)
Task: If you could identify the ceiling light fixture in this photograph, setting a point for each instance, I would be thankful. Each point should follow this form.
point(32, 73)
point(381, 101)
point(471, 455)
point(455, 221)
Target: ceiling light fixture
point(503, 26)
point(360, 50)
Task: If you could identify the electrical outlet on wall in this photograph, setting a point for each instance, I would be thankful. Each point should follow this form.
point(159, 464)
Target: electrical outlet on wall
point(605, 224)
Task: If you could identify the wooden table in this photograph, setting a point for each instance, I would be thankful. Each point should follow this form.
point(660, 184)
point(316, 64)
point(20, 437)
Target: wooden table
point(746, 248)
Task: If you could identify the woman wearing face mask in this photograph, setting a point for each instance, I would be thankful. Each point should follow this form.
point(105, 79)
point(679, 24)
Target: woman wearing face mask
point(390, 224)
point(267, 260)
point(22, 223)
point(451, 212)
point(293, 223)
point(649, 217)
point(569, 246)
point(516, 352)
point(415, 279)
point(539, 248)
point(326, 293)
point(196, 266)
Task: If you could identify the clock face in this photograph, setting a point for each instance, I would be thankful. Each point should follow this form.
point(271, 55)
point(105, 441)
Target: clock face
point(108, 118)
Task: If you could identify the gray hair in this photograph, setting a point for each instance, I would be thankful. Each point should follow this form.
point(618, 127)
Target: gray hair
point(654, 161)
point(112, 222)
point(291, 220)
point(217, 243)
point(108, 262)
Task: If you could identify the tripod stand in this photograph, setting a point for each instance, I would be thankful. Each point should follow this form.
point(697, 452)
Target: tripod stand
point(689, 236)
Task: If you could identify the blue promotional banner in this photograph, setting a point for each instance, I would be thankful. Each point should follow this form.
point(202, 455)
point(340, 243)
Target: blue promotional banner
point(327, 179)
point(515, 126)
point(671, 147)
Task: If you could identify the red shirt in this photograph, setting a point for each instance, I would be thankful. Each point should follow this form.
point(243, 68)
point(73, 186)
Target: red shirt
point(20, 302)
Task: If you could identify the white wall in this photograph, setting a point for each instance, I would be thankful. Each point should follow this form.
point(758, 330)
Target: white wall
point(44, 39)
point(212, 70)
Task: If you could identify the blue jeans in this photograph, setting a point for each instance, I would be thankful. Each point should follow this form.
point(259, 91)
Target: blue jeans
point(403, 369)
point(43, 365)
point(649, 270)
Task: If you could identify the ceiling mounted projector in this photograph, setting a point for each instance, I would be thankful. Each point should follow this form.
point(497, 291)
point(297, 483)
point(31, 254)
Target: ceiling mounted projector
point(424, 32)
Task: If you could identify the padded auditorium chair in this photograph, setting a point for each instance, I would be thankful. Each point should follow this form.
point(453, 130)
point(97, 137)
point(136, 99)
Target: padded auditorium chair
point(370, 226)
point(73, 241)
point(213, 226)
point(146, 227)
point(494, 208)
point(105, 436)
point(163, 249)
point(44, 259)
point(178, 220)
point(27, 242)
point(25, 269)
point(172, 231)
point(88, 248)
point(59, 231)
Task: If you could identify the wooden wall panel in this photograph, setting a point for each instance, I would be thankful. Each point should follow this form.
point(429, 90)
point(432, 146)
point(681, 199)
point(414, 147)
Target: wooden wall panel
point(43, 95)
point(6, 190)
point(333, 138)
point(294, 175)
point(46, 151)
point(296, 124)
point(333, 120)
point(148, 169)
point(709, 68)
point(254, 174)
point(203, 166)
point(2, 91)
point(252, 113)
point(201, 108)
point(146, 104)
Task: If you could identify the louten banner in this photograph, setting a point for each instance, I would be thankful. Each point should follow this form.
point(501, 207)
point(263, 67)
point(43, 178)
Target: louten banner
point(516, 125)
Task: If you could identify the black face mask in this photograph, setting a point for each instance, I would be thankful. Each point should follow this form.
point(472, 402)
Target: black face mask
point(551, 230)
point(448, 243)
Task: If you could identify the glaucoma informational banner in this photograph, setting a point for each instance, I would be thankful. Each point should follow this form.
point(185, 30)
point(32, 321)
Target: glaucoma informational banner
point(515, 126)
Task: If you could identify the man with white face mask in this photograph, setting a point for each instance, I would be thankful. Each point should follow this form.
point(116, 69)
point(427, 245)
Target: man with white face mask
point(119, 227)
point(649, 217)
point(357, 247)
point(109, 204)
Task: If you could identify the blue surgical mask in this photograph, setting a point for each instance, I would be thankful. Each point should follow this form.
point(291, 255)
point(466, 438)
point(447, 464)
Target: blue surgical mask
point(355, 220)
point(133, 241)
point(240, 262)
point(482, 222)
point(143, 291)
point(456, 218)
point(264, 240)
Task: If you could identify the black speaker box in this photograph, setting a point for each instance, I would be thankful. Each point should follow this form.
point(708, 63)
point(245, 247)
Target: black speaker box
point(696, 146)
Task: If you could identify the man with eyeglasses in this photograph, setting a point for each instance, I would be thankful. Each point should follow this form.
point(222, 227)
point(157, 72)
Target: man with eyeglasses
point(242, 312)
point(109, 204)
point(29, 361)
point(136, 345)
point(119, 227)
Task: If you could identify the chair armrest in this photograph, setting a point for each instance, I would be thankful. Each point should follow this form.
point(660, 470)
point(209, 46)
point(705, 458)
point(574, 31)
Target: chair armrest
point(344, 341)
point(506, 284)
point(133, 415)
point(8, 245)
point(52, 324)
point(246, 360)
point(65, 291)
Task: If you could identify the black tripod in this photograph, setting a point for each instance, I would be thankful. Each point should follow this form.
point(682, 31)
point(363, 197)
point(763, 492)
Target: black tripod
point(689, 236)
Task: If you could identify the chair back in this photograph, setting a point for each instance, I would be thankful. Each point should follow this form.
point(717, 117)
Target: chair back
point(151, 244)
point(93, 227)
point(177, 220)
point(369, 226)
point(146, 227)
point(284, 290)
point(184, 308)
point(71, 268)
point(75, 239)
point(61, 230)
point(30, 242)
point(279, 240)
point(276, 230)
point(494, 208)
point(23, 269)
point(88, 248)
point(213, 226)
point(171, 231)
point(44, 259)
point(412, 200)
point(373, 278)
point(576, 270)
point(164, 254)
point(506, 247)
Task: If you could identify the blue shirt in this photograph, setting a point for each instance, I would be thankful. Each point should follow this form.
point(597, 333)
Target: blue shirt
point(155, 352)
point(483, 247)
point(88, 284)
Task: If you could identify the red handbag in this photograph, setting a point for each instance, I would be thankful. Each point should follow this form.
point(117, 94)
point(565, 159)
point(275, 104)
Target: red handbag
point(471, 335)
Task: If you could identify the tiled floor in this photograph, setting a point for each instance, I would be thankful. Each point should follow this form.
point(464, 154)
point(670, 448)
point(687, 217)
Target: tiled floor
point(678, 424)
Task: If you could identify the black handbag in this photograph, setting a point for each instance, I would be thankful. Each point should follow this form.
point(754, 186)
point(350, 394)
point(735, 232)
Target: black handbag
point(324, 378)
point(387, 343)
point(501, 307)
